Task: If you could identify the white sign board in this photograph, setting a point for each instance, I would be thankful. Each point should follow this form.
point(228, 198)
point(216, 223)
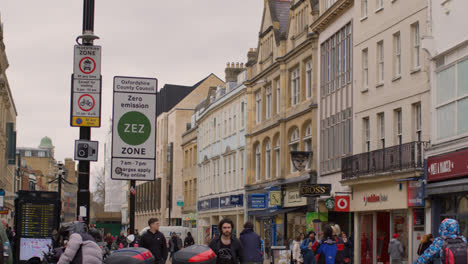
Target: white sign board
point(86, 150)
point(87, 62)
point(134, 128)
point(86, 86)
point(86, 104)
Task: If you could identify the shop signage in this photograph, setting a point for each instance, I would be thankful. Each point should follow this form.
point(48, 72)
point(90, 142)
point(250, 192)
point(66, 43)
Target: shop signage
point(447, 166)
point(237, 199)
point(293, 198)
point(225, 201)
point(214, 203)
point(330, 203)
point(204, 205)
point(342, 203)
point(315, 189)
point(415, 193)
point(258, 201)
point(375, 198)
point(189, 217)
point(275, 198)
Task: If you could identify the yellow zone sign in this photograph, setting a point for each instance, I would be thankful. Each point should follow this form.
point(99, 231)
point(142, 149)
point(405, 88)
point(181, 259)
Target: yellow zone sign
point(78, 121)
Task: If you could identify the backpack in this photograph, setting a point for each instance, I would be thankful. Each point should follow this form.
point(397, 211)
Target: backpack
point(339, 258)
point(455, 251)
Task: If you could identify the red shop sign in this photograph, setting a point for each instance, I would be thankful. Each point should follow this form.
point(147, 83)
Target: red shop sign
point(447, 166)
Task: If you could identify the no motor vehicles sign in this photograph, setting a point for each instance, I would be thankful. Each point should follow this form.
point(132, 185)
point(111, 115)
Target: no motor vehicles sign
point(87, 62)
point(134, 129)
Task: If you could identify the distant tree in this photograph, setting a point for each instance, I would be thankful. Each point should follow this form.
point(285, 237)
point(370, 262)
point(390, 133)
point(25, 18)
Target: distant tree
point(99, 193)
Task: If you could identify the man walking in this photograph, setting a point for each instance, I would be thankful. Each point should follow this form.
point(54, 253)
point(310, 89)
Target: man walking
point(154, 241)
point(252, 245)
point(227, 248)
point(395, 249)
point(175, 244)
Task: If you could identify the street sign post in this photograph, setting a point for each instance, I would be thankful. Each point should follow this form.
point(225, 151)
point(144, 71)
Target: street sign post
point(86, 87)
point(134, 129)
point(86, 150)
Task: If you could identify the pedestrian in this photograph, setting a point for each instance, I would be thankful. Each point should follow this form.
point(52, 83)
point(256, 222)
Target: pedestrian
point(252, 245)
point(296, 250)
point(340, 247)
point(395, 249)
point(327, 249)
point(449, 230)
point(82, 247)
point(426, 241)
point(154, 241)
point(227, 247)
point(348, 248)
point(175, 244)
point(122, 239)
point(307, 248)
point(188, 241)
point(109, 240)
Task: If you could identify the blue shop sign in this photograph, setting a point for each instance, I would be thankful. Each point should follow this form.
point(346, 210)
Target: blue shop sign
point(258, 201)
point(237, 199)
point(225, 201)
point(204, 205)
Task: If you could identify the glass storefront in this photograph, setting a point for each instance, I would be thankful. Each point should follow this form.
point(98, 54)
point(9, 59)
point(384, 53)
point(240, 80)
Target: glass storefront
point(366, 237)
point(454, 206)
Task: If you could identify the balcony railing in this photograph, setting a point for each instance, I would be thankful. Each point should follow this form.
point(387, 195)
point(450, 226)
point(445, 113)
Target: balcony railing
point(408, 156)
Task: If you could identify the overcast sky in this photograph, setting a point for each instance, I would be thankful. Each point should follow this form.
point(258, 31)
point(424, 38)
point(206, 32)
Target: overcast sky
point(177, 42)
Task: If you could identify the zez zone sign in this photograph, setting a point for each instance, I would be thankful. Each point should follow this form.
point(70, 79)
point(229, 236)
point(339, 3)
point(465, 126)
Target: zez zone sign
point(134, 129)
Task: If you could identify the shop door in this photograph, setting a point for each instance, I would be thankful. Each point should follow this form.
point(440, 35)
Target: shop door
point(383, 237)
point(367, 233)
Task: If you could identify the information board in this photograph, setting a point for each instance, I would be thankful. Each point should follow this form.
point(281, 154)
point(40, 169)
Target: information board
point(134, 129)
point(37, 220)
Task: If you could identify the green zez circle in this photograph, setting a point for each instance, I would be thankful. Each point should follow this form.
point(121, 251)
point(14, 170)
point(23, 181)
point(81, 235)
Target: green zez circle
point(134, 128)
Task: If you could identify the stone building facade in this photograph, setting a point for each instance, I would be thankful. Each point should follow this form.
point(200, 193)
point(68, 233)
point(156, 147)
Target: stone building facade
point(189, 176)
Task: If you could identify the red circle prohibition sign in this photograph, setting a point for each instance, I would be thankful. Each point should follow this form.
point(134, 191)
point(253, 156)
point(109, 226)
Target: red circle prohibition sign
point(85, 102)
point(91, 70)
point(342, 203)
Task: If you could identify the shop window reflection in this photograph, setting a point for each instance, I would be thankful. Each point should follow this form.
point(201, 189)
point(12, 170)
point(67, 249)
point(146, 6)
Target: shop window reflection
point(383, 237)
point(463, 205)
point(400, 227)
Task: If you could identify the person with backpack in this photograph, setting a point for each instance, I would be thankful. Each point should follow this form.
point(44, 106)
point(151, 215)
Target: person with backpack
point(307, 250)
point(395, 249)
point(327, 249)
point(340, 247)
point(188, 241)
point(450, 246)
point(82, 247)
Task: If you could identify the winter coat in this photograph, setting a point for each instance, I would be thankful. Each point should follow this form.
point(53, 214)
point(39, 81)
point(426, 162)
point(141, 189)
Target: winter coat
point(90, 252)
point(327, 251)
point(156, 243)
point(339, 258)
point(189, 242)
point(252, 245)
point(172, 244)
point(395, 249)
point(296, 251)
point(237, 250)
point(449, 228)
point(307, 253)
point(348, 249)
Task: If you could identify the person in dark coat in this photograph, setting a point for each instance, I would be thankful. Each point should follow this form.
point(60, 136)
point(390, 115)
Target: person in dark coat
point(426, 242)
point(327, 249)
point(227, 247)
point(154, 241)
point(252, 245)
point(307, 250)
point(188, 241)
point(348, 248)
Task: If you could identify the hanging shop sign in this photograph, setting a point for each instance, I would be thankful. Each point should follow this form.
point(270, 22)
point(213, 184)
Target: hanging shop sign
point(330, 203)
point(275, 198)
point(293, 198)
point(342, 203)
point(447, 166)
point(314, 190)
point(415, 193)
point(258, 201)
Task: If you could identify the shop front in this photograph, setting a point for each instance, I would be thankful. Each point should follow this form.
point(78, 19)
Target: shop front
point(213, 210)
point(447, 189)
point(380, 211)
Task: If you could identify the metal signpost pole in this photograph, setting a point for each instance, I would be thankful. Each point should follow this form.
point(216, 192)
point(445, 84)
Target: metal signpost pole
point(85, 132)
point(132, 205)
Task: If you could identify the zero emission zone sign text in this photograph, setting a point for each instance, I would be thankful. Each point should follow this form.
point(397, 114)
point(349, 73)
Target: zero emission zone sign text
point(134, 129)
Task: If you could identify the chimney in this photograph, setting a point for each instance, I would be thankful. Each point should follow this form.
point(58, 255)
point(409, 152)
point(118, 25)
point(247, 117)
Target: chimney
point(232, 70)
point(251, 57)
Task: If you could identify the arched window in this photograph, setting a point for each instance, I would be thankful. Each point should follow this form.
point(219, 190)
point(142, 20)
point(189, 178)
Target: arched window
point(293, 145)
point(307, 139)
point(277, 157)
point(257, 163)
point(267, 160)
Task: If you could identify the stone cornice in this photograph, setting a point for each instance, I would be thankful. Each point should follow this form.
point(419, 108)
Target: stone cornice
point(330, 15)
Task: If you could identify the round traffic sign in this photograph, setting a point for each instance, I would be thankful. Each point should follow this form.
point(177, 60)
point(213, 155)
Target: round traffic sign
point(87, 65)
point(134, 128)
point(86, 102)
point(342, 203)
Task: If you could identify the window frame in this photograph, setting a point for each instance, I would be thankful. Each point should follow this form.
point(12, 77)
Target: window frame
point(258, 106)
point(309, 92)
point(397, 55)
point(295, 86)
point(269, 102)
point(365, 69)
point(416, 45)
point(380, 63)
